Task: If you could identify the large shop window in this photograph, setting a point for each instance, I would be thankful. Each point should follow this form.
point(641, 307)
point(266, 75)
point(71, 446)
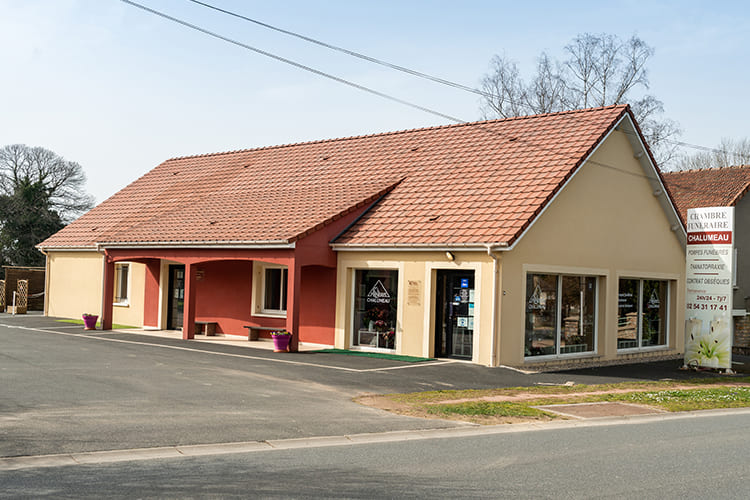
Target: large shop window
point(375, 308)
point(560, 314)
point(642, 313)
point(121, 284)
point(274, 290)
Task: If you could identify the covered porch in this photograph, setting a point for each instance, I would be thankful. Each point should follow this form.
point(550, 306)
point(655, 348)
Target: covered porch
point(281, 287)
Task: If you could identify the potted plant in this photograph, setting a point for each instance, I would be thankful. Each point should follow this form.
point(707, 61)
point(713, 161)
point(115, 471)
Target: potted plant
point(89, 321)
point(281, 340)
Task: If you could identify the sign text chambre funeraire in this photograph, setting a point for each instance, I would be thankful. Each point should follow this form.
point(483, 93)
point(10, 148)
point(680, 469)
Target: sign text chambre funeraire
point(709, 221)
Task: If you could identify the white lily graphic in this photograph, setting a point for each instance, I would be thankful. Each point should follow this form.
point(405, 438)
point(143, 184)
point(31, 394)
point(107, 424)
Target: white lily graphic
point(712, 349)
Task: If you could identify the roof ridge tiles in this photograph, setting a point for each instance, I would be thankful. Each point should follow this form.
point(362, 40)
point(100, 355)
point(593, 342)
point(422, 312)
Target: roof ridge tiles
point(706, 169)
point(289, 191)
point(397, 132)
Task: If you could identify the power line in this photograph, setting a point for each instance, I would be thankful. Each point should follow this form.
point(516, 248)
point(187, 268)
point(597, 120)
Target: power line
point(355, 85)
point(352, 53)
point(402, 69)
point(294, 63)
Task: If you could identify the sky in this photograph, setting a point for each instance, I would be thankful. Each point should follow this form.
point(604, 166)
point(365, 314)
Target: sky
point(120, 90)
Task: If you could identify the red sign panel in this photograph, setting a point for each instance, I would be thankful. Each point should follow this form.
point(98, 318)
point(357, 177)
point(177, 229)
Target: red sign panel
point(710, 238)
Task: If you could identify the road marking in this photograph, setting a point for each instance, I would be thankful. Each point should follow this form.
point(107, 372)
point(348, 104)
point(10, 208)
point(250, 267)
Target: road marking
point(461, 430)
point(231, 355)
point(412, 365)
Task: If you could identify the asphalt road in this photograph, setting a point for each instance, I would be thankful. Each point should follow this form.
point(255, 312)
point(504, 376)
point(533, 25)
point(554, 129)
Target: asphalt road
point(673, 457)
point(65, 390)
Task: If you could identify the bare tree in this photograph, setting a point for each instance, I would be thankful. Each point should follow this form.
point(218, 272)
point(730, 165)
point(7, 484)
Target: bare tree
point(729, 153)
point(62, 180)
point(599, 70)
point(548, 91)
point(39, 192)
point(506, 88)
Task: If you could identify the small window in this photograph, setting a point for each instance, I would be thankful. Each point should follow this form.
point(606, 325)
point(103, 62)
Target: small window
point(274, 289)
point(121, 283)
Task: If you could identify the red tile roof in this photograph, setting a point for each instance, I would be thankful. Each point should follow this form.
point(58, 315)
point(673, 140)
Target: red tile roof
point(709, 187)
point(474, 183)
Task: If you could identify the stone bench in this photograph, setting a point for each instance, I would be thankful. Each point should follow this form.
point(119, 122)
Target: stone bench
point(252, 331)
point(207, 327)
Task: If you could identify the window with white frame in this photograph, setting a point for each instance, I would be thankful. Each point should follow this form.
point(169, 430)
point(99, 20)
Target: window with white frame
point(560, 314)
point(642, 313)
point(274, 289)
point(122, 284)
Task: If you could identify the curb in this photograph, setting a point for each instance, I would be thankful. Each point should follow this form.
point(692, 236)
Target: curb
point(467, 430)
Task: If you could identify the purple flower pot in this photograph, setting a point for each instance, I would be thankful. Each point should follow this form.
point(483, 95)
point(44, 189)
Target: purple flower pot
point(281, 343)
point(89, 322)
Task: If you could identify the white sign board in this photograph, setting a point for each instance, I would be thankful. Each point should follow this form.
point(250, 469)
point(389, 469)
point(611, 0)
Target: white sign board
point(708, 301)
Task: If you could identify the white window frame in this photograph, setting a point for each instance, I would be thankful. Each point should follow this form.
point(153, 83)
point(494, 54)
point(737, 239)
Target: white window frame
point(259, 297)
point(124, 301)
point(558, 333)
point(639, 319)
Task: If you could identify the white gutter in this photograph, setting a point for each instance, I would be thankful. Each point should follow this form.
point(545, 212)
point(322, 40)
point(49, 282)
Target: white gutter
point(418, 247)
point(220, 245)
point(44, 250)
point(493, 318)
point(648, 164)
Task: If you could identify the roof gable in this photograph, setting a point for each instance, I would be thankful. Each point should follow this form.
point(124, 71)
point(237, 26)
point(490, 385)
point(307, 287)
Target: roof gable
point(490, 184)
point(476, 183)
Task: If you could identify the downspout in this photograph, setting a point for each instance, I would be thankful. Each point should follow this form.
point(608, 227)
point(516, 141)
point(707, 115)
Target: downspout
point(104, 274)
point(46, 281)
point(493, 318)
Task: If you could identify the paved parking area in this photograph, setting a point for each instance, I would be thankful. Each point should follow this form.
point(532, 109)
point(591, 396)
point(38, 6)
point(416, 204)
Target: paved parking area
point(68, 390)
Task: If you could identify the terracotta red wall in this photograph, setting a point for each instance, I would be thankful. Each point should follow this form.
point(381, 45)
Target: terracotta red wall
point(151, 294)
point(318, 305)
point(224, 294)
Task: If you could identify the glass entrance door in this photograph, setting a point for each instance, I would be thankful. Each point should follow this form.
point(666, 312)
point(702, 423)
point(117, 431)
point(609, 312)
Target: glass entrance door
point(176, 300)
point(454, 321)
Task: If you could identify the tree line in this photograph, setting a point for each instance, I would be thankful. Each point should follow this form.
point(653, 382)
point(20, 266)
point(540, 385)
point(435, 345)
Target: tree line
point(40, 192)
point(600, 70)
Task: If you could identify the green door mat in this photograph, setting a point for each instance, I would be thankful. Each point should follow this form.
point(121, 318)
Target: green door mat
point(381, 355)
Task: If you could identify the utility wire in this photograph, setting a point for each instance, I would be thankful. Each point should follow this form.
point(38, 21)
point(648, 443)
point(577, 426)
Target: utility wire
point(349, 52)
point(295, 64)
point(358, 86)
point(403, 69)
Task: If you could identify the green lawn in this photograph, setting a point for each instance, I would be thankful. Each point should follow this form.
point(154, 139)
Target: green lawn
point(520, 402)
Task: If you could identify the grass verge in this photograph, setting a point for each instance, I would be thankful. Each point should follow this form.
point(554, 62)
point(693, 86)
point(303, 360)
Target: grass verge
point(517, 404)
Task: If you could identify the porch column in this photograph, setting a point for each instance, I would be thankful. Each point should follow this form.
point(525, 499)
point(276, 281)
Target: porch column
point(293, 303)
point(108, 293)
point(188, 311)
point(151, 294)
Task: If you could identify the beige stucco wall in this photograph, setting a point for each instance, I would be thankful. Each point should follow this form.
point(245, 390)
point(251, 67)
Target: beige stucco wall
point(416, 312)
point(608, 223)
point(75, 285)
